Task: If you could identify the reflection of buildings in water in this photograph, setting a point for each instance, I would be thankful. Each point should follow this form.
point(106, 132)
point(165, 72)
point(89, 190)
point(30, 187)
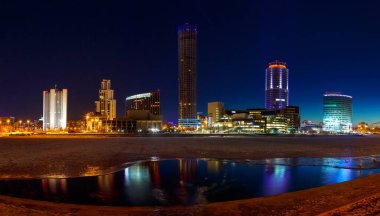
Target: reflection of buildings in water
point(106, 184)
point(137, 174)
point(345, 175)
point(213, 166)
point(276, 179)
point(187, 170)
point(54, 186)
point(137, 183)
point(155, 173)
point(336, 171)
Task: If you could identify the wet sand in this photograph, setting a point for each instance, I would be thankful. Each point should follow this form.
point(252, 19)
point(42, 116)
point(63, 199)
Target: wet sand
point(30, 157)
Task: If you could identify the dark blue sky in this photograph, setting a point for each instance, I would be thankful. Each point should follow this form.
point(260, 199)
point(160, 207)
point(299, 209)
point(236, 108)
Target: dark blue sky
point(328, 46)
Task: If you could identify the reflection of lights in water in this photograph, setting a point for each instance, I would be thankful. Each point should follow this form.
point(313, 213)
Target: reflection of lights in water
point(279, 171)
point(344, 175)
point(337, 175)
point(213, 166)
point(138, 183)
point(156, 173)
point(190, 182)
point(136, 174)
point(54, 186)
point(187, 170)
point(276, 179)
point(106, 183)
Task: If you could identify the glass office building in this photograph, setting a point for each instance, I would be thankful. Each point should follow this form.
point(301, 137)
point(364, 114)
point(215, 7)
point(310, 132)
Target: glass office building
point(337, 112)
point(146, 101)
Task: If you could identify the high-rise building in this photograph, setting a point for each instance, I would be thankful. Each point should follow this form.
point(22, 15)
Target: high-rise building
point(106, 105)
point(337, 112)
point(187, 75)
point(276, 86)
point(54, 109)
point(215, 112)
point(146, 101)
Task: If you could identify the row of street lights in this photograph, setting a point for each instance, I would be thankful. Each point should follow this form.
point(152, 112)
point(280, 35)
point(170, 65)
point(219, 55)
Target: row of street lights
point(19, 123)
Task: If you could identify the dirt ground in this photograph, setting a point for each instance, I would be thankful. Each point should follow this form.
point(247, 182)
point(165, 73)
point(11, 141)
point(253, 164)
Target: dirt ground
point(33, 157)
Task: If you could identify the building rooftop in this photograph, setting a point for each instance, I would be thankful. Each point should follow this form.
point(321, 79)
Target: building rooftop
point(276, 64)
point(336, 94)
point(187, 26)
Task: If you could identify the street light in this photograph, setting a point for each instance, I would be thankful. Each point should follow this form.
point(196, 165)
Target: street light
point(19, 124)
point(27, 126)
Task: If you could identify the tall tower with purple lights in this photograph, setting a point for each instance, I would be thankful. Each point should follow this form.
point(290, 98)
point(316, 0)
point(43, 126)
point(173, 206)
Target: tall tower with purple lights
point(187, 75)
point(276, 86)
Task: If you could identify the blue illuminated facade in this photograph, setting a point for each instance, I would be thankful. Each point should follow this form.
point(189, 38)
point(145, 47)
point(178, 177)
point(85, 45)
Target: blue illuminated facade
point(276, 86)
point(337, 112)
point(189, 123)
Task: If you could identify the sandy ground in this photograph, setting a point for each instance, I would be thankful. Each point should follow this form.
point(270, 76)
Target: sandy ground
point(29, 157)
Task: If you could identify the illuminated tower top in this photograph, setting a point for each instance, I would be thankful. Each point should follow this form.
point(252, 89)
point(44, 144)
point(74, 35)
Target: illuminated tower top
point(276, 86)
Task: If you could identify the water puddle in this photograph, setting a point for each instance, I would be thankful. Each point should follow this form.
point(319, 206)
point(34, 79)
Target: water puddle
point(193, 181)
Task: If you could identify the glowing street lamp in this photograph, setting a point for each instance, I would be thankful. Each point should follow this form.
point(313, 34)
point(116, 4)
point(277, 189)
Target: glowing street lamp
point(19, 124)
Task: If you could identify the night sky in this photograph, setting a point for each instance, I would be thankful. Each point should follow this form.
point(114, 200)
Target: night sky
point(328, 46)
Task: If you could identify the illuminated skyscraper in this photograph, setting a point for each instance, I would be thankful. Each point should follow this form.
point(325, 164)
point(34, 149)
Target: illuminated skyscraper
point(106, 105)
point(146, 101)
point(276, 86)
point(54, 109)
point(187, 75)
point(337, 112)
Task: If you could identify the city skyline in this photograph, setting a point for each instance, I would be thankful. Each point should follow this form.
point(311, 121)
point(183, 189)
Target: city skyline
point(317, 56)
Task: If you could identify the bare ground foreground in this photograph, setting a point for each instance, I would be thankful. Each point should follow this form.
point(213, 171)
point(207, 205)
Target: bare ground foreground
point(33, 157)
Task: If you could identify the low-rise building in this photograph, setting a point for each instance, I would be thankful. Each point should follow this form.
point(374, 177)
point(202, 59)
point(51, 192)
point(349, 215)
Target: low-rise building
point(308, 126)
